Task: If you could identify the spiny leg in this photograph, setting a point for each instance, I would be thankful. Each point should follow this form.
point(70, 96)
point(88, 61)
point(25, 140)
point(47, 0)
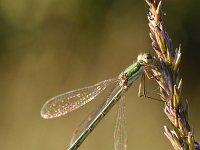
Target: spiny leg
point(142, 90)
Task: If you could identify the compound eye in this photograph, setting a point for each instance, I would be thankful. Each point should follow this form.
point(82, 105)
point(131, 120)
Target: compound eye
point(145, 58)
point(148, 58)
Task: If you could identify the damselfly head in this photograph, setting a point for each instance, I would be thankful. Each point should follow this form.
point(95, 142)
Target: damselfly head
point(145, 58)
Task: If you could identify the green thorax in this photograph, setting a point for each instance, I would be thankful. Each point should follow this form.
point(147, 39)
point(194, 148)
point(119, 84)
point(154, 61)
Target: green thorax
point(132, 69)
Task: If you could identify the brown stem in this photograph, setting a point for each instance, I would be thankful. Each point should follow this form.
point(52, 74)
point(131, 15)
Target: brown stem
point(180, 134)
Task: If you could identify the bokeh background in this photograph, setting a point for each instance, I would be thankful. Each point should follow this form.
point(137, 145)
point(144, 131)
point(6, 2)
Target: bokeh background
point(49, 47)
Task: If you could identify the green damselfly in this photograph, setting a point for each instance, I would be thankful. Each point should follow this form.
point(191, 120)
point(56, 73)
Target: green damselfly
point(69, 101)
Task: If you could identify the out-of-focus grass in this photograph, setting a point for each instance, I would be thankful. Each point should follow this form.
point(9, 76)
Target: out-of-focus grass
point(47, 48)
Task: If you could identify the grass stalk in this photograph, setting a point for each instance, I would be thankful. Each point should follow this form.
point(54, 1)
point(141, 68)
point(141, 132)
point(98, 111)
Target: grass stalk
point(167, 74)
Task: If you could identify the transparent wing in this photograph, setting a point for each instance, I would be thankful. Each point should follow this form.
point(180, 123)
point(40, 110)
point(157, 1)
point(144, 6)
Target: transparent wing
point(69, 101)
point(92, 120)
point(120, 132)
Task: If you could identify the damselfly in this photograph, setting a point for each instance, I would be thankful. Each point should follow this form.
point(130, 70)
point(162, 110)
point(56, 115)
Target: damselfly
point(69, 101)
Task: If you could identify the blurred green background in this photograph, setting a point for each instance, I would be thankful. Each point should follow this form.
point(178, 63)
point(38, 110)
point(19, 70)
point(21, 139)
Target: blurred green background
point(49, 47)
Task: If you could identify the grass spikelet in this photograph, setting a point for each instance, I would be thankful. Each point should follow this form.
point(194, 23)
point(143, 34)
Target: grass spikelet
point(168, 61)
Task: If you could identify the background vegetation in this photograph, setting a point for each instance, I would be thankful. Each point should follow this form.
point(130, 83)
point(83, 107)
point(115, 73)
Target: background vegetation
point(49, 47)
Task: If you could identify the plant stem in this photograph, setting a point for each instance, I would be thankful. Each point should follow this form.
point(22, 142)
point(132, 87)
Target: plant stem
point(180, 134)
